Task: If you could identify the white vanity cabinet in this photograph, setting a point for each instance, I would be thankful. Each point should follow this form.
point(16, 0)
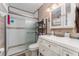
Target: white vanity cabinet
point(51, 48)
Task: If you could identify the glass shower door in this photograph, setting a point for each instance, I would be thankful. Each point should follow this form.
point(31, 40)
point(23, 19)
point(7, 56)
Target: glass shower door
point(20, 34)
point(31, 31)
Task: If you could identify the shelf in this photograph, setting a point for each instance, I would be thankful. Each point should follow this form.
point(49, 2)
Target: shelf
point(42, 27)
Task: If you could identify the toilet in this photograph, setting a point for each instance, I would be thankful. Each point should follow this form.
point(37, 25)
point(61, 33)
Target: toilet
point(1, 51)
point(34, 49)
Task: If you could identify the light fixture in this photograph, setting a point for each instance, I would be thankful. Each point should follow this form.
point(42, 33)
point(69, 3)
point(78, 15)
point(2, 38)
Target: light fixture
point(54, 6)
point(48, 9)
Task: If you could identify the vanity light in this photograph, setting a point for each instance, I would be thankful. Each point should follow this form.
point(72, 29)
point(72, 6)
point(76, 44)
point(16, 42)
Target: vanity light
point(54, 6)
point(48, 9)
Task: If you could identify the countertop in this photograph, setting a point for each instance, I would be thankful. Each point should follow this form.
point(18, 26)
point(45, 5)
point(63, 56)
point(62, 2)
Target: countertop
point(66, 42)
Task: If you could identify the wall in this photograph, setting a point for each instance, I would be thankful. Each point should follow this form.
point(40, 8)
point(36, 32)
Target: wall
point(3, 12)
point(43, 13)
point(3, 7)
point(1, 32)
point(35, 15)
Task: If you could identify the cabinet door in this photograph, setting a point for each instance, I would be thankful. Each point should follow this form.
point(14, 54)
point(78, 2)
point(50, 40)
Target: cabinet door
point(54, 47)
point(67, 52)
point(46, 51)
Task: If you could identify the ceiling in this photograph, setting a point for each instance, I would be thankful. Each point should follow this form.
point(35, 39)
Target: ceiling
point(30, 7)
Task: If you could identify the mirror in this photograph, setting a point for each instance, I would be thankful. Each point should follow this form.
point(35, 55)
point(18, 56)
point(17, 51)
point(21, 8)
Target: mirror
point(56, 14)
point(60, 17)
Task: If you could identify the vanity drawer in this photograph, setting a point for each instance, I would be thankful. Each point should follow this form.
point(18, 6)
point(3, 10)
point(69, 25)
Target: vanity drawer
point(68, 52)
point(46, 51)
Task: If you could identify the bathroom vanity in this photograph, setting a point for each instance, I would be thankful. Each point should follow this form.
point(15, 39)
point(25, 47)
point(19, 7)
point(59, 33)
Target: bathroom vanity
point(58, 46)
